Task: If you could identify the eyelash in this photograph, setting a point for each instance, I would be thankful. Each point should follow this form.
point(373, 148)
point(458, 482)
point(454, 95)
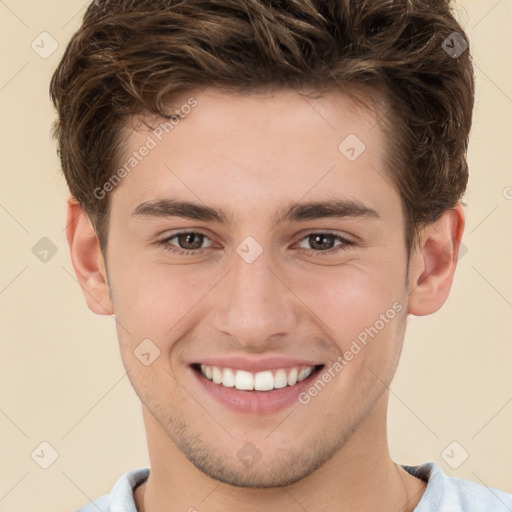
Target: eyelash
point(311, 252)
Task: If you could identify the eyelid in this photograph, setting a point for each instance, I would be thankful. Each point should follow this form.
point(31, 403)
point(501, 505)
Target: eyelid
point(185, 231)
point(343, 236)
point(345, 242)
point(300, 237)
point(182, 231)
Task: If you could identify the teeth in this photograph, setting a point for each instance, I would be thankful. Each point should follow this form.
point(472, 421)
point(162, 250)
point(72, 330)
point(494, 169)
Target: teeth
point(263, 381)
point(280, 379)
point(228, 378)
point(244, 380)
point(304, 373)
point(207, 371)
point(292, 377)
point(260, 381)
point(216, 375)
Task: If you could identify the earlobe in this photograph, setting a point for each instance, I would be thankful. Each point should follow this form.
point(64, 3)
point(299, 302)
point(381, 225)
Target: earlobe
point(434, 261)
point(87, 260)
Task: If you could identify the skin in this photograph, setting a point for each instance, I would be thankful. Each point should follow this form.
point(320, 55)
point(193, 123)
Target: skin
point(252, 155)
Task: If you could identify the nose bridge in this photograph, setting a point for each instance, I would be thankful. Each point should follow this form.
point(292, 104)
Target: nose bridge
point(253, 303)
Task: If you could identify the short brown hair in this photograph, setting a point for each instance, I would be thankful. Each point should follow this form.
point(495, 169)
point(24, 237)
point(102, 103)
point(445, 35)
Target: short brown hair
point(131, 57)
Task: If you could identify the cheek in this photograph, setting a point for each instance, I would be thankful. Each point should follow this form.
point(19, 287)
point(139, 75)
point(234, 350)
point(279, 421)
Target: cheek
point(153, 298)
point(347, 299)
point(144, 290)
point(156, 301)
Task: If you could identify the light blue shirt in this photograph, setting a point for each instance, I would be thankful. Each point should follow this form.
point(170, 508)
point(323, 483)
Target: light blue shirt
point(443, 493)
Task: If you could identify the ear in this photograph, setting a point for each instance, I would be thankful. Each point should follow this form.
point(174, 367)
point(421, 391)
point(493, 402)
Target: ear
point(433, 262)
point(87, 259)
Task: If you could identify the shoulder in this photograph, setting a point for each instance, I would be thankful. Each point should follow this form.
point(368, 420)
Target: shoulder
point(121, 496)
point(102, 503)
point(446, 493)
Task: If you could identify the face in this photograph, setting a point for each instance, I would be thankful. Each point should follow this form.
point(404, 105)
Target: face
point(255, 283)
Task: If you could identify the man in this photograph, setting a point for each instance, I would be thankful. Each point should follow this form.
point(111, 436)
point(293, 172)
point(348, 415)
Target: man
point(261, 193)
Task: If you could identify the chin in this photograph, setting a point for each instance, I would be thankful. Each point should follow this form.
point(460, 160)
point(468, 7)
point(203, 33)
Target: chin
point(250, 468)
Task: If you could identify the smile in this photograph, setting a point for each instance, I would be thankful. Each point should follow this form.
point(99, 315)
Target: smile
point(261, 381)
point(258, 386)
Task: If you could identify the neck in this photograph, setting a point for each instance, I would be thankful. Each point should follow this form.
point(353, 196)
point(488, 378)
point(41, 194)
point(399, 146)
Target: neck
point(360, 476)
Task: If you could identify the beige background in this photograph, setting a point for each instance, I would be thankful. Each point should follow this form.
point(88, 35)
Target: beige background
point(62, 380)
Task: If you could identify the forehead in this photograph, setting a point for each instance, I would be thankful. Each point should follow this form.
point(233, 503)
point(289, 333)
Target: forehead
point(258, 150)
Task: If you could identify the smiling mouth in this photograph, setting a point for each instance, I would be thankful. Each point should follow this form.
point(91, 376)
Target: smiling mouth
point(267, 380)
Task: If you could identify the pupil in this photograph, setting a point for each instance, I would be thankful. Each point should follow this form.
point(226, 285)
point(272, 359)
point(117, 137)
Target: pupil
point(195, 239)
point(322, 242)
point(185, 239)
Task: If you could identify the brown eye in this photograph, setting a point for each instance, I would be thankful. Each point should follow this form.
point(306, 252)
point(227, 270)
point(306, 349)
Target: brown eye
point(324, 243)
point(187, 243)
point(191, 241)
point(321, 241)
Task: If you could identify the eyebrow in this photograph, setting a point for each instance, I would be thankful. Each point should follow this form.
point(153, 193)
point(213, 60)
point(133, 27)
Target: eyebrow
point(335, 208)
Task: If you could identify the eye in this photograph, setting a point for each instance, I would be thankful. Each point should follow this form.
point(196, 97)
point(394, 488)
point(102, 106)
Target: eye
point(188, 243)
point(323, 243)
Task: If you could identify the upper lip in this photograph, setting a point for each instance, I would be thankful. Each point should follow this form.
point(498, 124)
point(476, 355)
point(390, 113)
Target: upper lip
point(254, 364)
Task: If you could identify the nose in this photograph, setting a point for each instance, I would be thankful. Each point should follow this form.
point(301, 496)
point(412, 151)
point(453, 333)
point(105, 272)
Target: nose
point(254, 302)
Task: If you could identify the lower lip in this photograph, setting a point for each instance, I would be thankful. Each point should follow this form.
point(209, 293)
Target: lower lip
point(255, 402)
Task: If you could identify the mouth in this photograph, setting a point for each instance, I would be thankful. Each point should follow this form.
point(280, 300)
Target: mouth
point(260, 392)
point(266, 380)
